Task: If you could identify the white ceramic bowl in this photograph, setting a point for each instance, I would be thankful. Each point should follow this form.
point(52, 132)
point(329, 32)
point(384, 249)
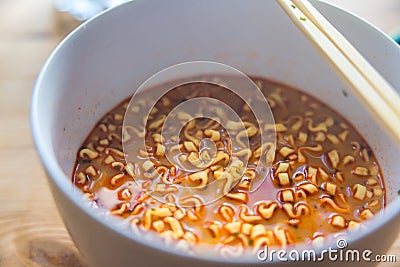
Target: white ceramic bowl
point(100, 63)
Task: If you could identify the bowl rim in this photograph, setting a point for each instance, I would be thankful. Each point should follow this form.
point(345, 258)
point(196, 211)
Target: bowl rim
point(62, 181)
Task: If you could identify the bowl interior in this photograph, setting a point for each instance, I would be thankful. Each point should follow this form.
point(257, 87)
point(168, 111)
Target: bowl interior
point(106, 59)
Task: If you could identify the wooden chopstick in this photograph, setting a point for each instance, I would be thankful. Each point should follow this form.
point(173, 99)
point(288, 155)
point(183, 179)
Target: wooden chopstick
point(367, 84)
point(385, 90)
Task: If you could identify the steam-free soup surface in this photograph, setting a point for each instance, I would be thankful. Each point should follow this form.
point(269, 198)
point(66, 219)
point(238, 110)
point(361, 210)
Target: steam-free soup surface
point(324, 177)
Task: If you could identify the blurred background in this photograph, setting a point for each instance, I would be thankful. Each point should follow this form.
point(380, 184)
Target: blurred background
point(31, 232)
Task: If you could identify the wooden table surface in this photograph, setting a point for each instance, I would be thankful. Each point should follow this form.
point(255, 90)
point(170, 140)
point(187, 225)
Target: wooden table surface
point(31, 231)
